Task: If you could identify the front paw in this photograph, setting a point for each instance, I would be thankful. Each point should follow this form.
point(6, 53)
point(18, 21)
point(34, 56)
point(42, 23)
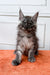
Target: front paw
point(31, 59)
point(15, 63)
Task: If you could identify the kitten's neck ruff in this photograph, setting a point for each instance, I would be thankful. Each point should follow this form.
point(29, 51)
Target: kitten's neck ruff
point(22, 33)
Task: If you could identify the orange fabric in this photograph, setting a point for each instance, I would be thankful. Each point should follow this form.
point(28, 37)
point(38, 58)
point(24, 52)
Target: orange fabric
point(40, 67)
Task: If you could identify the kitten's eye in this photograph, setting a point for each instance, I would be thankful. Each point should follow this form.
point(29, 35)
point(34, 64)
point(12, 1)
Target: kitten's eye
point(25, 21)
point(32, 21)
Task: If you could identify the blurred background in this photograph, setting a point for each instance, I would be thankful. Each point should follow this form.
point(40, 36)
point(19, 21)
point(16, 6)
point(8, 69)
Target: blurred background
point(9, 13)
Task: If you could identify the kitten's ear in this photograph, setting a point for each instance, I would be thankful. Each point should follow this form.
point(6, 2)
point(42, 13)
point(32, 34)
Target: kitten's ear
point(34, 18)
point(21, 16)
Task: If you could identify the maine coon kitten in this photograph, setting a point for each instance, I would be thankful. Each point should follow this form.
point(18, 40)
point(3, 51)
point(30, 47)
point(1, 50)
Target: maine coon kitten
point(27, 42)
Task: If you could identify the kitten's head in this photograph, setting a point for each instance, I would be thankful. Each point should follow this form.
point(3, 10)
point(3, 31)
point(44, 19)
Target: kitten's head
point(28, 23)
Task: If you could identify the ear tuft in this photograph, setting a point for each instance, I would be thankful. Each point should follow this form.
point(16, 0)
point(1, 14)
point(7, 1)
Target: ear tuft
point(35, 16)
point(20, 15)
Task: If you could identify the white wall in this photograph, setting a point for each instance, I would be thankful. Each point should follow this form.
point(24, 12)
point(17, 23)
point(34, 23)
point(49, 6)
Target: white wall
point(9, 11)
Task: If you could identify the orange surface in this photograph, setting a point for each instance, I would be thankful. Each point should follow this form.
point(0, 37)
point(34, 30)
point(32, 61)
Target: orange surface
point(40, 67)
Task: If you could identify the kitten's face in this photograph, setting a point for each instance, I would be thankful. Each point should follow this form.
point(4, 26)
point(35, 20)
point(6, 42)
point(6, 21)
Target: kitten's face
point(28, 23)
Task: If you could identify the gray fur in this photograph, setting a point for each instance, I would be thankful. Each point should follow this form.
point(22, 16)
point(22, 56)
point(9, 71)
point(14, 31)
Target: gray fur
point(27, 42)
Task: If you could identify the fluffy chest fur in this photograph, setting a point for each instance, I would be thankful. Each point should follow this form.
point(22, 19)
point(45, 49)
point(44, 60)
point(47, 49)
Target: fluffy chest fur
point(25, 40)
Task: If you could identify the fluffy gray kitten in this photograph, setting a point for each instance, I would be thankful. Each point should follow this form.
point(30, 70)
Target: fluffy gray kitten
point(27, 42)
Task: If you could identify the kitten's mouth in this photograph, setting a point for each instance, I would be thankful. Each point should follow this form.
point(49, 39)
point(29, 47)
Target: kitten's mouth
point(28, 30)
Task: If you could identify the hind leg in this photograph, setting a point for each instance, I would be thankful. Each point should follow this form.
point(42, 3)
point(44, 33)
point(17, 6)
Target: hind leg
point(36, 52)
point(15, 51)
point(36, 48)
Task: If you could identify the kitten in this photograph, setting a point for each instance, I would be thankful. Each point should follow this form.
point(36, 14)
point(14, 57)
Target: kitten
point(27, 42)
